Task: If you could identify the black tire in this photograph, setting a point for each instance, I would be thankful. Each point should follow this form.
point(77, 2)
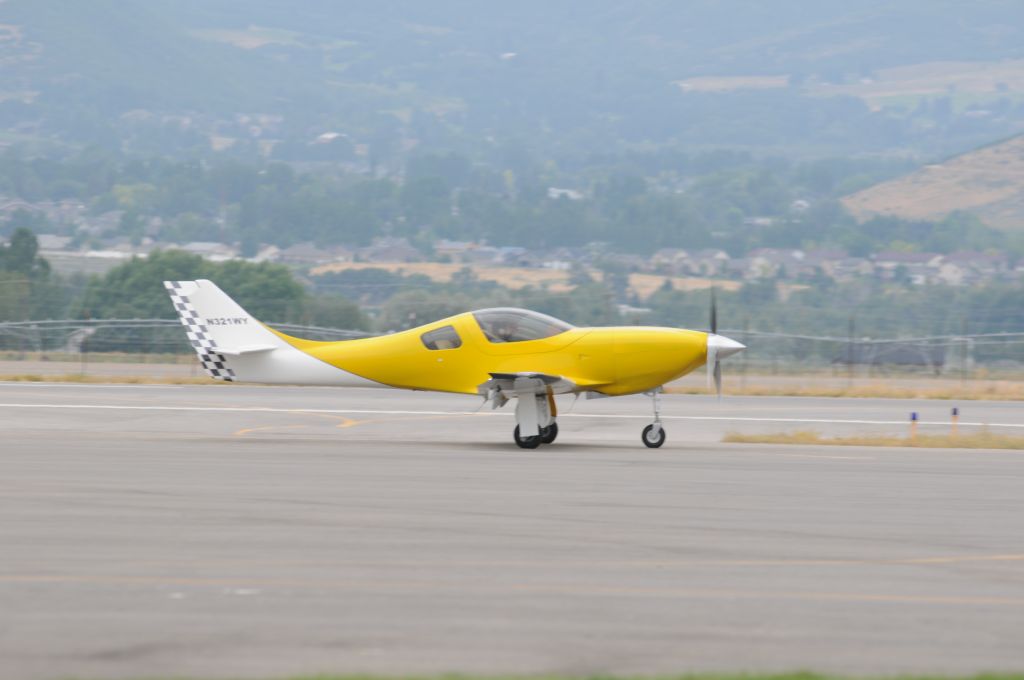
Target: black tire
point(525, 442)
point(549, 434)
point(650, 441)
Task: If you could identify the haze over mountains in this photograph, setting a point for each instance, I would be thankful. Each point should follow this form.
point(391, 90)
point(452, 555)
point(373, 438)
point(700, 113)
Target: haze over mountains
point(794, 151)
point(736, 108)
point(597, 74)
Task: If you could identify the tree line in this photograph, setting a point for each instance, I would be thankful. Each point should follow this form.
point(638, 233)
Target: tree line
point(273, 293)
point(696, 200)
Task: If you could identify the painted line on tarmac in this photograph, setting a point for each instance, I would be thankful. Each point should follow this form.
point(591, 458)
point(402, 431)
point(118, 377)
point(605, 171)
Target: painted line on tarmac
point(387, 412)
point(431, 586)
point(39, 384)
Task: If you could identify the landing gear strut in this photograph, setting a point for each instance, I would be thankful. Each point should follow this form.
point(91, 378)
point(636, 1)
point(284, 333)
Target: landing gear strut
point(653, 435)
point(527, 442)
point(535, 415)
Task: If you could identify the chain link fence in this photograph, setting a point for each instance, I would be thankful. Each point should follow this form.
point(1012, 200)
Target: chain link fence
point(767, 353)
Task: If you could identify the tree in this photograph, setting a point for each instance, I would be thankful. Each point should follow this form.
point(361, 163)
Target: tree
point(135, 289)
point(21, 256)
point(415, 307)
point(27, 290)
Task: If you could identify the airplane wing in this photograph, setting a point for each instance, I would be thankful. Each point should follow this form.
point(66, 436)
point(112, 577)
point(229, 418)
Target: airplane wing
point(503, 386)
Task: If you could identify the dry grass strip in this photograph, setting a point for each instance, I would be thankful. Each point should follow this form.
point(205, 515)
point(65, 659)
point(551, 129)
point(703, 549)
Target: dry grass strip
point(110, 379)
point(980, 440)
point(1003, 391)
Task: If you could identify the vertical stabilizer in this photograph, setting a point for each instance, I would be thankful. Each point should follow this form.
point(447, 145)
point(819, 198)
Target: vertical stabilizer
point(198, 333)
point(233, 346)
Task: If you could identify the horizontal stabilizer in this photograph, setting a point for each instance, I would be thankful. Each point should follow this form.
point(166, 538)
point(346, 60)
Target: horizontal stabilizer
point(245, 349)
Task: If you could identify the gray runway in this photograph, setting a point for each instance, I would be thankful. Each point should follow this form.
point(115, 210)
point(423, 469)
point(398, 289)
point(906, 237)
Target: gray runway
point(251, 532)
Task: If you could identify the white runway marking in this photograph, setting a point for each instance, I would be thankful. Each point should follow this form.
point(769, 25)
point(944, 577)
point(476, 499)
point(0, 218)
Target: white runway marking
point(391, 412)
point(115, 386)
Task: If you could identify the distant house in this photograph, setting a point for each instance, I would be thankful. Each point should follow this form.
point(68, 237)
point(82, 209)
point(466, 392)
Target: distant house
point(966, 267)
point(920, 274)
point(890, 259)
point(849, 268)
point(455, 250)
point(516, 256)
point(390, 249)
point(210, 250)
point(777, 262)
point(554, 193)
point(670, 260)
point(564, 258)
point(63, 212)
point(109, 221)
point(328, 137)
point(736, 268)
point(627, 261)
point(482, 255)
point(307, 254)
point(52, 242)
point(919, 268)
point(709, 262)
point(266, 253)
point(11, 205)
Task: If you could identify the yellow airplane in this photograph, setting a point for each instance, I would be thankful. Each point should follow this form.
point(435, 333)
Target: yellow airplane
point(499, 354)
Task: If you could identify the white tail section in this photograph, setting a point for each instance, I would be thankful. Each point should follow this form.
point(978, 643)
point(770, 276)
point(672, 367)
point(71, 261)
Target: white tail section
point(234, 346)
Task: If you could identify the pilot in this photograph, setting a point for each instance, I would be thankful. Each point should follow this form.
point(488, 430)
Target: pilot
point(504, 330)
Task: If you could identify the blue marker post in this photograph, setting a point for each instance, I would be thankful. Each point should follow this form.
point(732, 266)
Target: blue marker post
point(955, 417)
point(913, 426)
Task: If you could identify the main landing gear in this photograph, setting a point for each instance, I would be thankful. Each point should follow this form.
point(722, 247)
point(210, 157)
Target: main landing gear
point(535, 413)
point(653, 435)
point(546, 435)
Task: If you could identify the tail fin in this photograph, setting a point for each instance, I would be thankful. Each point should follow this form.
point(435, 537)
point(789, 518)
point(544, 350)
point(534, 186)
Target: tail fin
point(191, 296)
point(232, 345)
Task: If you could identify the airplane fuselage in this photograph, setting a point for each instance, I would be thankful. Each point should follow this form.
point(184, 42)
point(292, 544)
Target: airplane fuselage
point(609, 360)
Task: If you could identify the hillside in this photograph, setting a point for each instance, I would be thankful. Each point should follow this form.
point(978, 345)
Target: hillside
point(562, 78)
point(988, 183)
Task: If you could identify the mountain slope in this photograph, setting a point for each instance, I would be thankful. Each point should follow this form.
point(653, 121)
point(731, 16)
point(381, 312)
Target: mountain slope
point(988, 182)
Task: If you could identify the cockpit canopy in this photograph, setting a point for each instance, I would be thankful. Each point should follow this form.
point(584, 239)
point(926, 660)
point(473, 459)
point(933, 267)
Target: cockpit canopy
point(508, 324)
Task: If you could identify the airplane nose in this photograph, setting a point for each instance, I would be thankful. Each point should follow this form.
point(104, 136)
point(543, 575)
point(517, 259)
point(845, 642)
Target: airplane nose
point(723, 346)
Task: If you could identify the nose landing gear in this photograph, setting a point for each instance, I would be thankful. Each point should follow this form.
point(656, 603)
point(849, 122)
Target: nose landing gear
point(653, 435)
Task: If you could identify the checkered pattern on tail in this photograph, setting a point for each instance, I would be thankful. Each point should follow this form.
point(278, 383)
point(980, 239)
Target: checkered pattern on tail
point(198, 335)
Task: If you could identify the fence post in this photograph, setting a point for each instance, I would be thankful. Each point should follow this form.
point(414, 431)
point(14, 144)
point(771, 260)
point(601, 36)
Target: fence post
point(849, 352)
point(963, 353)
point(744, 355)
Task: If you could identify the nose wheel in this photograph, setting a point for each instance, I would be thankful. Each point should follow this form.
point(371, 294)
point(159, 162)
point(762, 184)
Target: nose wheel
point(653, 435)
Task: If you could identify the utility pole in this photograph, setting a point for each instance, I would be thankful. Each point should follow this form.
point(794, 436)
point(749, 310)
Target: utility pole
point(746, 341)
point(963, 352)
point(849, 352)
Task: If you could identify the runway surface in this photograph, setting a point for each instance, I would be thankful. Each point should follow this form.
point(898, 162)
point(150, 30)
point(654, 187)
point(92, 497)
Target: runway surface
point(251, 532)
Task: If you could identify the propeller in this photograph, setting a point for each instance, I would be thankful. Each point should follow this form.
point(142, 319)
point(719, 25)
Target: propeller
point(719, 347)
